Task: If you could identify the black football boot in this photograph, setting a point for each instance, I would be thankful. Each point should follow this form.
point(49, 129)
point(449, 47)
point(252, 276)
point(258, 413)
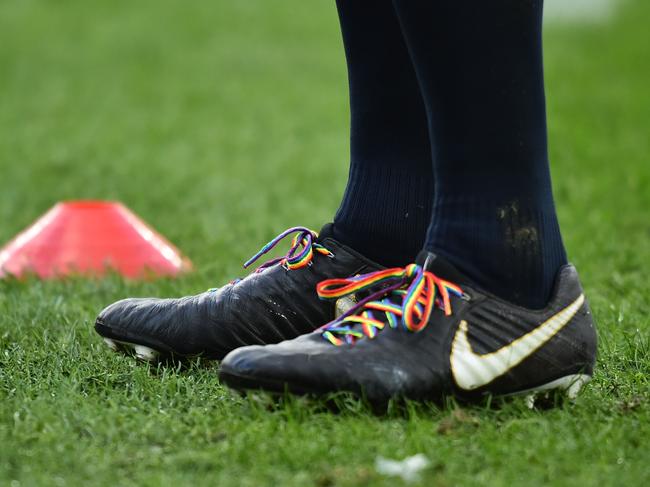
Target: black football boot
point(426, 335)
point(276, 302)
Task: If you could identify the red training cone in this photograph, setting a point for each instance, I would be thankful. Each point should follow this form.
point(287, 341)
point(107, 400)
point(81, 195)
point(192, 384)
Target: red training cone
point(89, 237)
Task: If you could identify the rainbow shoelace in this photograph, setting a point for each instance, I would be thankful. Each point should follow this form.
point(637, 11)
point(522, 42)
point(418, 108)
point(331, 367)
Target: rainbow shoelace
point(419, 290)
point(300, 254)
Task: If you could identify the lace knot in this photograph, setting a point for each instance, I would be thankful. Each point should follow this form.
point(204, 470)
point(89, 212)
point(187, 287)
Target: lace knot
point(300, 254)
point(418, 290)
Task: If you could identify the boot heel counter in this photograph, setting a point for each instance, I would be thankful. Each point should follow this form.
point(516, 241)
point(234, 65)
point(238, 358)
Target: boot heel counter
point(585, 337)
point(589, 333)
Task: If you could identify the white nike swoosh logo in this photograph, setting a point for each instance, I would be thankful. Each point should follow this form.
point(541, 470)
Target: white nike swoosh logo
point(471, 370)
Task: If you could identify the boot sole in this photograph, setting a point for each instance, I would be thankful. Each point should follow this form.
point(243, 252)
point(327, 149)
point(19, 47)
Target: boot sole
point(569, 386)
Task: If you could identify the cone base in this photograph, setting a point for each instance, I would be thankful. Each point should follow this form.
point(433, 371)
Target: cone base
point(90, 238)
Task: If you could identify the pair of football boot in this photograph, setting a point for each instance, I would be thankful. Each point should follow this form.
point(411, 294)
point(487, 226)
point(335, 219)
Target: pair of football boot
point(324, 319)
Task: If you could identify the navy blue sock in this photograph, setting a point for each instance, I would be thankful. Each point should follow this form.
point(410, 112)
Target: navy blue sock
point(479, 64)
point(386, 208)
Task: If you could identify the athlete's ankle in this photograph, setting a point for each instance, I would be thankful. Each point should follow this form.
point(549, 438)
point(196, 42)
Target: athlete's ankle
point(509, 250)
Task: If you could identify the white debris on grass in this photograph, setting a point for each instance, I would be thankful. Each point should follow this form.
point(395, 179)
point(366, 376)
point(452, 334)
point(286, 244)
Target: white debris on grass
point(579, 11)
point(409, 468)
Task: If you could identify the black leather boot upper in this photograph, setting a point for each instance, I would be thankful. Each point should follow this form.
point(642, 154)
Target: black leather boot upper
point(483, 345)
point(269, 306)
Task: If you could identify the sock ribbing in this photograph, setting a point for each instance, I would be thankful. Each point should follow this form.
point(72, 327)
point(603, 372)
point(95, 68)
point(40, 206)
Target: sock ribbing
point(385, 212)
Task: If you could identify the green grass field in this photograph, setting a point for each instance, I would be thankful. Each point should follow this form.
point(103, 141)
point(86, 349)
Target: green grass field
point(213, 121)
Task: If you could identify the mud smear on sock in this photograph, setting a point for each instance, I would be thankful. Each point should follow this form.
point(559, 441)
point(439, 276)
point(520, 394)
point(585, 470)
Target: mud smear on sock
point(521, 240)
